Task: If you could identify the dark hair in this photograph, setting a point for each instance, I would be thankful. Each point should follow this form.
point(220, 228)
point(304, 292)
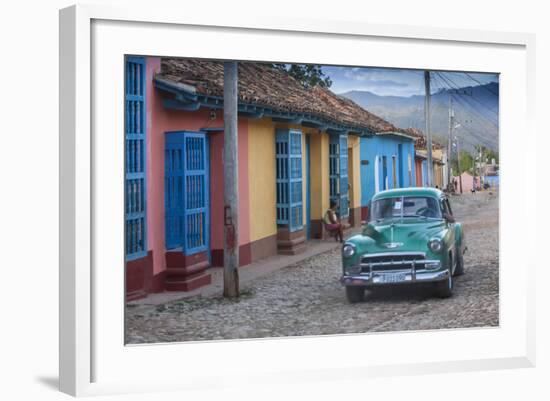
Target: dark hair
point(332, 204)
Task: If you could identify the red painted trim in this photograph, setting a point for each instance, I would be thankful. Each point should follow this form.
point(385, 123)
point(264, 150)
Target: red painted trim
point(364, 213)
point(178, 259)
point(157, 283)
point(186, 272)
point(190, 283)
point(140, 279)
point(245, 256)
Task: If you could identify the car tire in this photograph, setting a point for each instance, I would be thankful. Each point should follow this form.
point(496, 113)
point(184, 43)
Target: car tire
point(444, 289)
point(355, 294)
point(459, 270)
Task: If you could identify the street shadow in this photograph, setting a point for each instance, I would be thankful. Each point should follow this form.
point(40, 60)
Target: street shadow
point(52, 382)
point(418, 292)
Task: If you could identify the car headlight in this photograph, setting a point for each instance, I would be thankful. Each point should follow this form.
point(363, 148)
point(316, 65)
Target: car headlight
point(348, 250)
point(435, 245)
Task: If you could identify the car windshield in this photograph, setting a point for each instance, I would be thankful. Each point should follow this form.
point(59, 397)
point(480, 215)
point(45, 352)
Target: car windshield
point(404, 207)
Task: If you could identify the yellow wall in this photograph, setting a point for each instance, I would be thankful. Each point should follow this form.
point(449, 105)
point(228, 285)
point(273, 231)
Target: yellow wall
point(319, 175)
point(438, 175)
point(261, 163)
point(261, 178)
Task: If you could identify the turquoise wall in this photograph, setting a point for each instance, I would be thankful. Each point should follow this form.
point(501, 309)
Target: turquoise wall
point(388, 146)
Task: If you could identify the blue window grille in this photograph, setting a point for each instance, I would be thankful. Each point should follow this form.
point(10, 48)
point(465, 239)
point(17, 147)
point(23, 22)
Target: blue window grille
point(338, 173)
point(288, 156)
point(186, 191)
point(135, 161)
point(400, 165)
point(384, 172)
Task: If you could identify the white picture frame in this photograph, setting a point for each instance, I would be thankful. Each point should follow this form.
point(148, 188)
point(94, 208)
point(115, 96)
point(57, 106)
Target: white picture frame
point(91, 360)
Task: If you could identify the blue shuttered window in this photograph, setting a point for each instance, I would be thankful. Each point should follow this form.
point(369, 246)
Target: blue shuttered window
point(174, 201)
point(338, 173)
point(344, 187)
point(186, 191)
point(135, 185)
point(288, 148)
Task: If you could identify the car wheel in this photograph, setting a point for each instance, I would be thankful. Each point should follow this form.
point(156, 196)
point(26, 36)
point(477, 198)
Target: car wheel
point(355, 294)
point(459, 270)
point(444, 288)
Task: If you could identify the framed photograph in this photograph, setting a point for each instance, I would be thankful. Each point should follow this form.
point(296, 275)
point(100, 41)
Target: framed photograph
point(345, 194)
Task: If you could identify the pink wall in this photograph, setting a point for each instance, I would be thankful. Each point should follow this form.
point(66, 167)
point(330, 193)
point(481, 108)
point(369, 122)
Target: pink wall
point(161, 120)
point(467, 182)
point(216, 191)
point(217, 182)
point(155, 164)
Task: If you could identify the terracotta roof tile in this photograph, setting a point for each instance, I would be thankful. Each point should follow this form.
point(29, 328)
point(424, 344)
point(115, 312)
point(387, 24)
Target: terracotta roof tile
point(263, 85)
point(420, 141)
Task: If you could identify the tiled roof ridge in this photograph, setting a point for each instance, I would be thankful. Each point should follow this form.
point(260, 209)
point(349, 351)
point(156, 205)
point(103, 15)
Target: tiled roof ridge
point(264, 85)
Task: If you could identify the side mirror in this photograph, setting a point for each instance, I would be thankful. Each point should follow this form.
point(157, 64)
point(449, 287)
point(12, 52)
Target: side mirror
point(448, 218)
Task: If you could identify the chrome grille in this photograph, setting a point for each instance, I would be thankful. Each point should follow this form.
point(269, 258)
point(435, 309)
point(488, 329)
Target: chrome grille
point(392, 261)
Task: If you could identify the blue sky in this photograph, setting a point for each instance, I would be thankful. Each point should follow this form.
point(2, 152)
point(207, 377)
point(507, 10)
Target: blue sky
point(397, 82)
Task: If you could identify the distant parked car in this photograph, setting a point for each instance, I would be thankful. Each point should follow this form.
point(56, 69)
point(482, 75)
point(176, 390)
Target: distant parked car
point(410, 237)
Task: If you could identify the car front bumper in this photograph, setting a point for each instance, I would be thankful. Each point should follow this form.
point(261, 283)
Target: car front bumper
point(387, 268)
point(407, 277)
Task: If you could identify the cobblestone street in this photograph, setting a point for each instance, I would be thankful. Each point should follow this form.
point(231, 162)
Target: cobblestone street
point(307, 298)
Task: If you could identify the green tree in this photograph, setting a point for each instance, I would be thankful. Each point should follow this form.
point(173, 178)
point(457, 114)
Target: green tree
point(466, 161)
point(308, 75)
point(491, 154)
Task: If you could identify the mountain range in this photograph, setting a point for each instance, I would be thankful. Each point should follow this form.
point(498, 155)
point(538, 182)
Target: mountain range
point(475, 110)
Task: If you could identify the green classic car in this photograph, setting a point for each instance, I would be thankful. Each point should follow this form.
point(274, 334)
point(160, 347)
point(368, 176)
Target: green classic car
point(410, 237)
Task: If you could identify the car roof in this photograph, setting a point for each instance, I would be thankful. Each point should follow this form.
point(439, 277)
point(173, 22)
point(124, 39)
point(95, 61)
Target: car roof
point(413, 191)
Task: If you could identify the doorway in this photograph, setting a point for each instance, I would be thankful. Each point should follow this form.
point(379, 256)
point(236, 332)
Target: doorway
point(186, 191)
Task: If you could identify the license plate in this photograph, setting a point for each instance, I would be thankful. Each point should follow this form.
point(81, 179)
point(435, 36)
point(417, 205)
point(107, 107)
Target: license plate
point(392, 277)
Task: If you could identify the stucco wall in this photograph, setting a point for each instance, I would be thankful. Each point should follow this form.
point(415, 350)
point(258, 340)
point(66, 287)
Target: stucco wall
point(161, 120)
point(319, 175)
point(155, 164)
point(385, 146)
point(261, 164)
point(467, 182)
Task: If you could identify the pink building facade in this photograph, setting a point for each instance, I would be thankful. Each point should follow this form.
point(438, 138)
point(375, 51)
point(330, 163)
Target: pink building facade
point(161, 269)
point(467, 181)
point(298, 149)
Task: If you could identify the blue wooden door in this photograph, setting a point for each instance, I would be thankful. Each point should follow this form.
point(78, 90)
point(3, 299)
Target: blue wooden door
point(344, 187)
point(186, 192)
point(338, 173)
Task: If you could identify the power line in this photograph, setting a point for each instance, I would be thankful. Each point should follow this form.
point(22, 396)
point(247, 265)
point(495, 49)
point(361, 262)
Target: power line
point(481, 119)
point(453, 85)
point(484, 86)
point(462, 100)
point(483, 122)
point(478, 137)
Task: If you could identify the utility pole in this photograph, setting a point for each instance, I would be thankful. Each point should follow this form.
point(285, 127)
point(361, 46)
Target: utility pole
point(449, 148)
point(428, 128)
point(476, 148)
point(458, 164)
point(480, 164)
point(231, 181)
